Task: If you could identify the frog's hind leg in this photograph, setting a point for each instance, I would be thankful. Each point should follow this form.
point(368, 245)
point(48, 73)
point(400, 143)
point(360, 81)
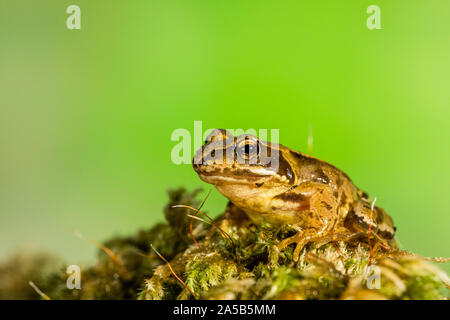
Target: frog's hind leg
point(373, 221)
point(306, 236)
point(321, 220)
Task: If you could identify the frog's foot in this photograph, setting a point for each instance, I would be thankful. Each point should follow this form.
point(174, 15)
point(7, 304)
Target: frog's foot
point(301, 238)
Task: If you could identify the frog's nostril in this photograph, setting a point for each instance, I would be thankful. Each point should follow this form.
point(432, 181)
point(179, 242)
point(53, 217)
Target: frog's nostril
point(196, 161)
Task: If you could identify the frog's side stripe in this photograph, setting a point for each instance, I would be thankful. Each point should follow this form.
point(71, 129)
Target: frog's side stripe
point(292, 197)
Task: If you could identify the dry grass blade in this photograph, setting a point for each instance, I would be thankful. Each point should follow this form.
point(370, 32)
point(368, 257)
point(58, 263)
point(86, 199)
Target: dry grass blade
point(39, 292)
point(199, 219)
point(340, 257)
point(108, 251)
point(437, 259)
point(226, 235)
point(173, 272)
point(405, 253)
point(310, 139)
point(370, 229)
point(190, 224)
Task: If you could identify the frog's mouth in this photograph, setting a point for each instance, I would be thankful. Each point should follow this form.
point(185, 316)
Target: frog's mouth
point(228, 173)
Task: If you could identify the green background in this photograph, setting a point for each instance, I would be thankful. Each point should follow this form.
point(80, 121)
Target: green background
point(86, 115)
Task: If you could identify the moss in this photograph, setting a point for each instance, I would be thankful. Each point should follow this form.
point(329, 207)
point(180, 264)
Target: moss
point(255, 269)
point(18, 270)
point(206, 270)
point(423, 288)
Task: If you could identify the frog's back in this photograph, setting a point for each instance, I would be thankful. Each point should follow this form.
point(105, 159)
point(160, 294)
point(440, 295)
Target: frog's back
point(311, 169)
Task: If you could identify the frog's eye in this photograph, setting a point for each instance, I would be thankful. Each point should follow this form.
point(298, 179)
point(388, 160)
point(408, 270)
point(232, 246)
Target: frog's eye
point(248, 150)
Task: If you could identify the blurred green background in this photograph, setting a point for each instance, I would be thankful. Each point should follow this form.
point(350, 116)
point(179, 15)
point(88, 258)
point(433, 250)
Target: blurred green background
point(86, 115)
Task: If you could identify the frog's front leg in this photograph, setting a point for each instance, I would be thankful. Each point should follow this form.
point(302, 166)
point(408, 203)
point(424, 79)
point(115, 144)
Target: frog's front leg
point(301, 239)
point(317, 222)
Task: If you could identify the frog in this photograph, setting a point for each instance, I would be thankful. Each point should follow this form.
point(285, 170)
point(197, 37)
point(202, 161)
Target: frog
point(312, 197)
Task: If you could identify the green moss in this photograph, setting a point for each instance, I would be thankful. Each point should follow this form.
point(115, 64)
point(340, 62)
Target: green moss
point(423, 288)
point(206, 270)
point(254, 270)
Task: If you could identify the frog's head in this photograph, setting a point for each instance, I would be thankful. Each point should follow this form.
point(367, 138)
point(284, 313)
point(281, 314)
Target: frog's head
point(242, 166)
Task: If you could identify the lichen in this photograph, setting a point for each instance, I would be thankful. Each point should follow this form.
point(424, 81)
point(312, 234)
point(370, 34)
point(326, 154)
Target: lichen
point(213, 268)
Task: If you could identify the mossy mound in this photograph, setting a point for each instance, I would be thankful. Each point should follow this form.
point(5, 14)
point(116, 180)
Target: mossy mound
point(213, 269)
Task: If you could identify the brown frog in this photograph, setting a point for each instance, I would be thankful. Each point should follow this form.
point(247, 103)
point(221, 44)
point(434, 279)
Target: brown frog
point(272, 183)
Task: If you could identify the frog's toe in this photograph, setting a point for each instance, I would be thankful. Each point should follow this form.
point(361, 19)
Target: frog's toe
point(301, 239)
point(283, 244)
point(298, 248)
point(298, 239)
